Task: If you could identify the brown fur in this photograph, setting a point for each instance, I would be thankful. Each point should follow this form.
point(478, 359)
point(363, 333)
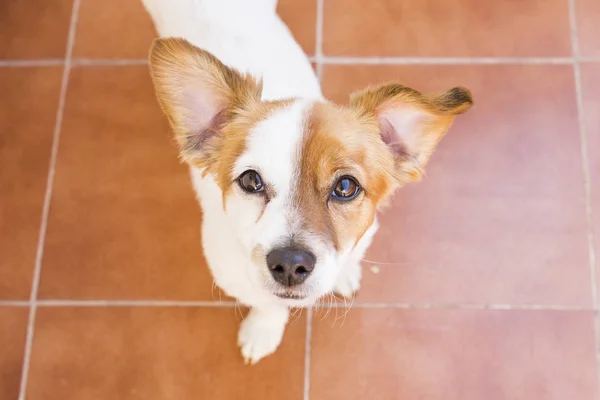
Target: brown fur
point(438, 112)
point(338, 142)
point(341, 141)
point(176, 67)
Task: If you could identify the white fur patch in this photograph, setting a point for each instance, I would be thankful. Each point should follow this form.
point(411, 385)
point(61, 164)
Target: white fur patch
point(261, 332)
point(272, 149)
point(274, 145)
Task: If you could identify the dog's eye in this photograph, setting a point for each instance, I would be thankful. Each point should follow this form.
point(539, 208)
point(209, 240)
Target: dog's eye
point(251, 182)
point(346, 188)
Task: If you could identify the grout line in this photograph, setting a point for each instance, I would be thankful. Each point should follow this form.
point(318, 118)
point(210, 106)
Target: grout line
point(321, 60)
point(47, 199)
point(14, 303)
point(134, 303)
point(445, 60)
point(462, 306)
point(586, 176)
point(584, 147)
point(319, 40)
point(90, 62)
point(226, 304)
point(307, 350)
point(32, 63)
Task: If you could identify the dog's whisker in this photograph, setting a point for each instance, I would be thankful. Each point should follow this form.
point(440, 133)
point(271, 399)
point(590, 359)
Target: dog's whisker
point(343, 317)
point(296, 315)
point(319, 306)
point(335, 299)
point(345, 308)
point(212, 290)
point(238, 308)
point(336, 316)
point(324, 306)
point(384, 263)
point(293, 313)
point(300, 313)
point(348, 308)
point(330, 297)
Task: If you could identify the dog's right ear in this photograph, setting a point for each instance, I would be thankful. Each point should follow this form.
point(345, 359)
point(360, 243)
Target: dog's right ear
point(198, 94)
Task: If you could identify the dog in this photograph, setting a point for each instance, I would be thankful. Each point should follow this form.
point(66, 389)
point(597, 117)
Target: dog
point(290, 184)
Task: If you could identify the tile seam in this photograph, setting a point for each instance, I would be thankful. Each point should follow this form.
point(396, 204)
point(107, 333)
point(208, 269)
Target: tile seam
point(307, 353)
point(328, 60)
point(46, 204)
point(232, 304)
point(319, 39)
point(586, 178)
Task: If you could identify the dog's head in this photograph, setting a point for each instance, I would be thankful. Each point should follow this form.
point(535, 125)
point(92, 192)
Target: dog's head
point(301, 180)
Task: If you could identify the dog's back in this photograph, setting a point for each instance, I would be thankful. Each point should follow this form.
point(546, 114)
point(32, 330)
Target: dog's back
point(244, 34)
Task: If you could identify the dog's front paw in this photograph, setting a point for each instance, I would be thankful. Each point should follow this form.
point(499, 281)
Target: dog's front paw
point(261, 333)
point(348, 282)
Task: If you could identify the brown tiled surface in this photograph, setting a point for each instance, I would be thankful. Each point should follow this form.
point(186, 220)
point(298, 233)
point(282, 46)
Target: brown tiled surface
point(32, 29)
point(499, 222)
point(27, 117)
point(430, 28)
point(590, 80)
point(588, 15)
point(500, 216)
point(156, 353)
point(124, 220)
point(113, 29)
point(301, 18)
point(454, 355)
point(13, 329)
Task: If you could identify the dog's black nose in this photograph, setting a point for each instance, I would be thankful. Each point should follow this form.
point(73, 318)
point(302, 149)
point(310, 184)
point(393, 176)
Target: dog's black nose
point(290, 266)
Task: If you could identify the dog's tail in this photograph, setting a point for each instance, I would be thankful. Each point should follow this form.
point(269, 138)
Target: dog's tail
point(181, 17)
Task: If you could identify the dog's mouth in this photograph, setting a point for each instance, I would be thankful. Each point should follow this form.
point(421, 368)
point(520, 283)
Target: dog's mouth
point(290, 295)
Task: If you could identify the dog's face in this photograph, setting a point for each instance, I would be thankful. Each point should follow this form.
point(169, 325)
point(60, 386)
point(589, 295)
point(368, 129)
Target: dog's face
point(301, 180)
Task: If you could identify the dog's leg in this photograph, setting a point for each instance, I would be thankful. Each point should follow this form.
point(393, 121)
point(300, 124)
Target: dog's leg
point(348, 281)
point(261, 331)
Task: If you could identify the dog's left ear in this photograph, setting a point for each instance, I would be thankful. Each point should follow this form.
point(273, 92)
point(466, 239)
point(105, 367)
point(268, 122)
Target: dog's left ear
point(199, 94)
point(411, 124)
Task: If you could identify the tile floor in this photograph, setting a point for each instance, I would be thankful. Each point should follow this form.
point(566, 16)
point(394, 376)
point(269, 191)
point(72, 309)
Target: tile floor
point(485, 285)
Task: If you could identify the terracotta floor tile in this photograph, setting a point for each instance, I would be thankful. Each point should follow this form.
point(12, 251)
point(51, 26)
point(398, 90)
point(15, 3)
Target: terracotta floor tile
point(454, 355)
point(301, 17)
point(34, 29)
point(28, 105)
point(156, 353)
point(588, 24)
point(500, 217)
point(13, 330)
point(124, 222)
point(430, 28)
point(590, 79)
point(113, 29)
